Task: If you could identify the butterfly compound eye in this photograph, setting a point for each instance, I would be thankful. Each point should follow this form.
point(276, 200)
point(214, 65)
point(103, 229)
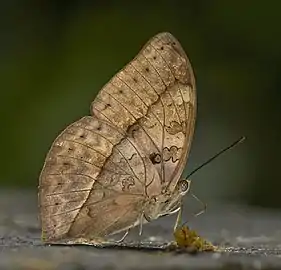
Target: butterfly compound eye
point(184, 186)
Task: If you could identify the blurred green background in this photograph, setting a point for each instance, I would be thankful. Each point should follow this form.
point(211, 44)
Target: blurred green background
point(56, 55)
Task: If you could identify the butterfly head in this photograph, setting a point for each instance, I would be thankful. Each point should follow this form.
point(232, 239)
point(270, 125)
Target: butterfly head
point(174, 199)
point(167, 203)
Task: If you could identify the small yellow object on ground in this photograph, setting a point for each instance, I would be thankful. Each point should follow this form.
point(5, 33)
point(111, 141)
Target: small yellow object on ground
point(189, 239)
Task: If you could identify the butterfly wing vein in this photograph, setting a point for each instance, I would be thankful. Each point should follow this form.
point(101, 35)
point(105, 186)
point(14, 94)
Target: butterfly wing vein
point(101, 170)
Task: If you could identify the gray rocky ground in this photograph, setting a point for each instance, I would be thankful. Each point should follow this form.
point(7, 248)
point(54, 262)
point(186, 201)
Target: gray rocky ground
point(251, 239)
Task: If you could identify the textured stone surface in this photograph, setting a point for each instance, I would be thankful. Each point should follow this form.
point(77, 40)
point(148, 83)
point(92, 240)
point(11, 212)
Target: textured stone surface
point(251, 238)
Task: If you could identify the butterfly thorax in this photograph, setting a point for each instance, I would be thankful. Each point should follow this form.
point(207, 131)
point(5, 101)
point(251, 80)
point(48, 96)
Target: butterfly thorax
point(162, 205)
point(166, 203)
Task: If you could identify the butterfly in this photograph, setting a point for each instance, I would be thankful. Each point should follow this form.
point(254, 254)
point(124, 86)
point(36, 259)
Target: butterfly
point(121, 166)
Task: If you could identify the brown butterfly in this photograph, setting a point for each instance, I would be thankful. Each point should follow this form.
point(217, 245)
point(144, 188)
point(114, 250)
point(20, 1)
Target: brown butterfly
point(121, 166)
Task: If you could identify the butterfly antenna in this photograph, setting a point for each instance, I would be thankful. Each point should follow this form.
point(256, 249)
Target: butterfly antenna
point(217, 155)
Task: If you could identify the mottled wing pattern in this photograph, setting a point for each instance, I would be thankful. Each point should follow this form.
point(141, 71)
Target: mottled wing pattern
point(87, 167)
point(155, 95)
point(102, 169)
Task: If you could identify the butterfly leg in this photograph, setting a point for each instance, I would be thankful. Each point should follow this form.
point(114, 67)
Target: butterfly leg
point(204, 206)
point(141, 224)
point(202, 211)
point(179, 217)
point(123, 237)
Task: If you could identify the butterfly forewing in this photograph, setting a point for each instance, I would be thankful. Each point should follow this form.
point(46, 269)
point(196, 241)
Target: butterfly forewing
point(101, 170)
